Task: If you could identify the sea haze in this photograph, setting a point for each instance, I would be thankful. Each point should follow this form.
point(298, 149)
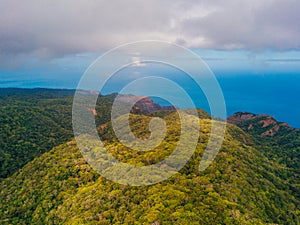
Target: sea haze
point(276, 94)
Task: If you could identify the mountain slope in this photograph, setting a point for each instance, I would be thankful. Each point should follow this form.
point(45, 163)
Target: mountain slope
point(242, 186)
point(36, 120)
point(278, 141)
point(260, 124)
point(33, 121)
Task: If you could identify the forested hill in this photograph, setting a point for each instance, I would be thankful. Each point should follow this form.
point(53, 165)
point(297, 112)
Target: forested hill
point(278, 140)
point(253, 180)
point(34, 121)
point(242, 186)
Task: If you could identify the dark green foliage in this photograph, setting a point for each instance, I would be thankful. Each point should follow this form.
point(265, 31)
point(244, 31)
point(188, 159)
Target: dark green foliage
point(32, 122)
point(250, 181)
point(282, 146)
point(240, 187)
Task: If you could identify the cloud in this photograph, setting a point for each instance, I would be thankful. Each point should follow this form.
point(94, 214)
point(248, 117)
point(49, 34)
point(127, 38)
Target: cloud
point(52, 28)
point(253, 25)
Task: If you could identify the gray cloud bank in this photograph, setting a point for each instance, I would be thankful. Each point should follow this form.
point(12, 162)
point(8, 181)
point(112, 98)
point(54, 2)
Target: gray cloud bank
point(50, 28)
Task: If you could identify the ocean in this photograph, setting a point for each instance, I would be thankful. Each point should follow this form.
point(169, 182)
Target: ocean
point(277, 95)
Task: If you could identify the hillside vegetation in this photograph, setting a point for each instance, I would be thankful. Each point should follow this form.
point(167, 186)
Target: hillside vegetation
point(249, 182)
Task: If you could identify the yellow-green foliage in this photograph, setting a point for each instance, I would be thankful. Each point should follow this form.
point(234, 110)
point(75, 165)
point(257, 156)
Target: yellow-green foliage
point(241, 186)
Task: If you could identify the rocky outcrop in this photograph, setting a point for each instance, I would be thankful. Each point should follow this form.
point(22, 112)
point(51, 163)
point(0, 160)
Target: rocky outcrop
point(240, 117)
point(262, 124)
point(144, 104)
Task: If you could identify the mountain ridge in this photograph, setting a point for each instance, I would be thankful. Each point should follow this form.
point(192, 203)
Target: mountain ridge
point(255, 178)
point(67, 183)
point(266, 122)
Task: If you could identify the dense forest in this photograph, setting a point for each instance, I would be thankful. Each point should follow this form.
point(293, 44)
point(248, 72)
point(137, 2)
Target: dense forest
point(32, 122)
point(45, 179)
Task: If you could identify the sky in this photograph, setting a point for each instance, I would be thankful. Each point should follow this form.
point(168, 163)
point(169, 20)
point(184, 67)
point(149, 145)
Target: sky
point(50, 43)
point(47, 29)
